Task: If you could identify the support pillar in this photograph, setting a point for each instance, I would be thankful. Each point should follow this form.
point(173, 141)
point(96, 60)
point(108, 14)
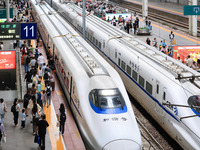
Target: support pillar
point(193, 20)
point(7, 11)
point(144, 8)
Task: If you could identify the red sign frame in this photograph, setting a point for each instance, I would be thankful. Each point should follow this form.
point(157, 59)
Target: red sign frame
point(7, 60)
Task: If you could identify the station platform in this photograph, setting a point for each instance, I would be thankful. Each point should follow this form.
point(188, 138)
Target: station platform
point(23, 139)
point(160, 31)
point(168, 7)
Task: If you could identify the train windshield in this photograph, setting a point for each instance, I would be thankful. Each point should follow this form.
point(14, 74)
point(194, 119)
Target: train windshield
point(195, 102)
point(111, 98)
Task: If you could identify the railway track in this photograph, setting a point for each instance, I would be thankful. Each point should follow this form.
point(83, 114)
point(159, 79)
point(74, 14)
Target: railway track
point(175, 22)
point(153, 136)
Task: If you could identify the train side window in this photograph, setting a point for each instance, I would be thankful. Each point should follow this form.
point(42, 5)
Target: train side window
point(149, 87)
point(123, 65)
point(115, 53)
point(128, 69)
point(104, 44)
point(97, 42)
point(93, 40)
point(100, 45)
point(134, 75)
point(164, 95)
point(157, 89)
point(90, 37)
point(141, 81)
point(119, 62)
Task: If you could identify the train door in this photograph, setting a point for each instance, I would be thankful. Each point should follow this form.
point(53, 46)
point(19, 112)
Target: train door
point(158, 97)
point(53, 50)
point(164, 95)
point(70, 90)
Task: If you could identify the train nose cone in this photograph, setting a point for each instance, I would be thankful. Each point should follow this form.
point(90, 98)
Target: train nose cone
point(122, 145)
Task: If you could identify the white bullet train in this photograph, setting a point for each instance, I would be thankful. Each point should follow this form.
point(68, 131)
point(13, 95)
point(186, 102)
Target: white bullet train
point(166, 88)
point(95, 91)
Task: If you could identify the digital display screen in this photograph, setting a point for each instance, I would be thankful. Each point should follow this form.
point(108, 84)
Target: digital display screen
point(7, 59)
point(9, 31)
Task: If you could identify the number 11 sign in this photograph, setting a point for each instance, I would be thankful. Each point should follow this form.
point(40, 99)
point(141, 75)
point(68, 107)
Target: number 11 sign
point(28, 30)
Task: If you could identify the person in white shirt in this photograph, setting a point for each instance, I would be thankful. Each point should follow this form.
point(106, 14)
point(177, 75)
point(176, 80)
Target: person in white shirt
point(179, 59)
point(189, 61)
point(40, 60)
point(1, 46)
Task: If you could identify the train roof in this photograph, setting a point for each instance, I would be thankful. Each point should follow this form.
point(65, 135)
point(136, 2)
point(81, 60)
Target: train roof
point(78, 47)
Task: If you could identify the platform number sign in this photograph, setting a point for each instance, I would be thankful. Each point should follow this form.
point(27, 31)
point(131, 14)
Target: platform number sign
point(28, 30)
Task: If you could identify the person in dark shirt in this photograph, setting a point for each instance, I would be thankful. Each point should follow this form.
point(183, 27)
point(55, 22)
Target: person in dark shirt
point(51, 63)
point(28, 78)
point(41, 128)
point(148, 41)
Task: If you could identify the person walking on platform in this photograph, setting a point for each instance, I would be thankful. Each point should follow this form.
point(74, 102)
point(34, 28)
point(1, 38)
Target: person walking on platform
point(35, 114)
point(23, 119)
point(48, 91)
point(62, 118)
point(2, 132)
point(171, 37)
point(3, 109)
point(26, 63)
point(40, 60)
point(27, 98)
point(28, 79)
point(41, 128)
point(16, 111)
point(44, 98)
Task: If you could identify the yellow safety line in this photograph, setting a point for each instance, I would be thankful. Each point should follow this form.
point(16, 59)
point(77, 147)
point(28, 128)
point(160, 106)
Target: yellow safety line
point(55, 138)
point(161, 8)
point(177, 34)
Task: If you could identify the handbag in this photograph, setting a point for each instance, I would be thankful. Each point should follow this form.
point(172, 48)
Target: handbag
point(36, 139)
point(4, 139)
point(57, 124)
point(5, 109)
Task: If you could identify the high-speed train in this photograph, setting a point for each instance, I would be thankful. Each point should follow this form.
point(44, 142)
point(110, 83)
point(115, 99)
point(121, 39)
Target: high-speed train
point(166, 88)
point(95, 91)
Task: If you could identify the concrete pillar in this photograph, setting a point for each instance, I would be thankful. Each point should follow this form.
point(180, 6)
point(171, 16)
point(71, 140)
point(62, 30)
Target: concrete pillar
point(193, 20)
point(7, 11)
point(144, 8)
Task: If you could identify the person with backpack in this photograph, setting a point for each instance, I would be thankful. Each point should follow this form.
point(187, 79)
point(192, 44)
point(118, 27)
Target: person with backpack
point(48, 93)
point(27, 97)
point(15, 109)
point(46, 76)
point(62, 118)
point(171, 37)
